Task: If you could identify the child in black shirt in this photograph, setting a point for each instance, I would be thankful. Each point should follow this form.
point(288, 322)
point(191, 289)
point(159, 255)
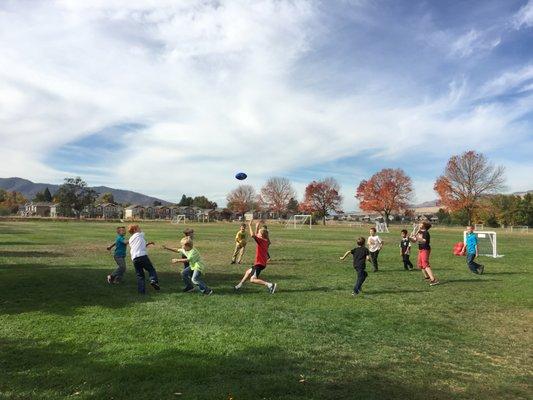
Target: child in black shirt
point(405, 251)
point(360, 255)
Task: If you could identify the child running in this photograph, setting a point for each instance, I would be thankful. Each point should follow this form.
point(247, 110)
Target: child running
point(374, 246)
point(360, 255)
point(120, 245)
point(140, 258)
point(240, 245)
point(470, 247)
point(405, 251)
point(192, 275)
point(423, 238)
point(261, 257)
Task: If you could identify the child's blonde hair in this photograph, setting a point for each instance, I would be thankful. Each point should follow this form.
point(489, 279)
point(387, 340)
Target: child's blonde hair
point(186, 242)
point(264, 233)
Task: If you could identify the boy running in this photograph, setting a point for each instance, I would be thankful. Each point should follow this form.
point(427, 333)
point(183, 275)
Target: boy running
point(405, 251)
point(261, 257)
point(240, 245)
point(360, 255)
point(192, 275)
point(471, 249)
point(374, 246)
point(140, 258)
point(120, 245)
point(423, 238)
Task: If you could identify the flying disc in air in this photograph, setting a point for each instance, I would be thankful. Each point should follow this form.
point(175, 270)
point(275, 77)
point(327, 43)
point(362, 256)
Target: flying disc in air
point(241, 176)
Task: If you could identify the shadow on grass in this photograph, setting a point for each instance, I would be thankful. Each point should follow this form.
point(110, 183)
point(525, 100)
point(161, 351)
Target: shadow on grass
point(31, 253)
point(33, 369)
point(478, 280)
point(62, 289)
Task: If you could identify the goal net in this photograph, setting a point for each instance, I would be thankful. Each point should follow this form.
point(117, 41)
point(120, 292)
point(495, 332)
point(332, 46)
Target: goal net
point(381, 227)
point(299, 221)
point(479, 227)
point(178, 219)
point(487, 244)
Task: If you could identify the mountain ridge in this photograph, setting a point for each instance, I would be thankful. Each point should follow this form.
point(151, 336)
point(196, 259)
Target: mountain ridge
point(29, 189)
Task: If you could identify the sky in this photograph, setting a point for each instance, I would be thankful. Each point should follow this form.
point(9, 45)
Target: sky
point(170, 97)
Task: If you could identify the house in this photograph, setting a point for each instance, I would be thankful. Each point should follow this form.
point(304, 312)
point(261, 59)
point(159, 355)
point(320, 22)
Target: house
point(162, 212)
point(108, 211)
point(38, 209)
point(149, 212)
point(134, 212)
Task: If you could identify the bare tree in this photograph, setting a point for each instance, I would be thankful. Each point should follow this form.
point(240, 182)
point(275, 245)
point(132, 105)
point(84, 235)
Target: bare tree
point(466, 179)
point(276, 195)
point(241, 199)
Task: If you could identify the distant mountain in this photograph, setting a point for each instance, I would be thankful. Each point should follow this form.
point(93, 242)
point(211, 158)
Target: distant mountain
point(29, 189)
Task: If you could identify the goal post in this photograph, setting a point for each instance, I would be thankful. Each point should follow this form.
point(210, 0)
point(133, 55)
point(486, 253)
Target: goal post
point(381, 227)
point(178, 219)
point(299, 221)
point(487, 243)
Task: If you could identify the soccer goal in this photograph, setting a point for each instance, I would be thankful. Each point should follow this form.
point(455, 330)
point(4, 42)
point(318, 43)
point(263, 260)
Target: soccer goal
point(487, 244)
point(381, 227)
point(299, 221)
point(178, 219)
point(479, 227)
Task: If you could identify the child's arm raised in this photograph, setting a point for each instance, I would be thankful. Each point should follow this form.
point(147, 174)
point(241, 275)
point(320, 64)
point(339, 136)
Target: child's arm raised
point(250, 227)
point(179, 260)
point(345, 255)
point(111, 246)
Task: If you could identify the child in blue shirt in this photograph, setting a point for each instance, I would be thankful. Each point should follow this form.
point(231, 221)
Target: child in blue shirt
point(120, 245)
point(470, 246)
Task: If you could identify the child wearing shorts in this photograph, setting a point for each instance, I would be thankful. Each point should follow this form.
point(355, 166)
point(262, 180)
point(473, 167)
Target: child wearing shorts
point(260, 237)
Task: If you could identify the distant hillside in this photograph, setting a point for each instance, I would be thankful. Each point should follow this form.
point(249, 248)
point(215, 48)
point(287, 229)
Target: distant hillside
point(29, 189)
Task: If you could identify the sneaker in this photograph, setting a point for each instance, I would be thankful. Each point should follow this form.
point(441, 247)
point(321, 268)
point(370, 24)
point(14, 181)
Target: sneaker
point(209, 292)
point(434, 283)
point(110, 279)
point(426, 278)
point(237, 288)
point(188, 289)
point(272, 288)
point(155, 285)
point(233, 262)
point(481, 269)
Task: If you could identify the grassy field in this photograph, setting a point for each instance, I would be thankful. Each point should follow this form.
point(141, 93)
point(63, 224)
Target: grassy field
point(66, 333)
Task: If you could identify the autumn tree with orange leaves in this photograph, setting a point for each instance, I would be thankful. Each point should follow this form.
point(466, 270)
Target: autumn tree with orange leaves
point(387, 191)
point(322, 197)
point(466, 180)
point(241, 199)
point(276, 194)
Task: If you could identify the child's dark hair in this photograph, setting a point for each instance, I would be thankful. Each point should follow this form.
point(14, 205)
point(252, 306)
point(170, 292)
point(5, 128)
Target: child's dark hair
point(121, 227)
point(243, 224)
point(426, 225)
point(373, 229)
point(361, 241)
point(404, 231)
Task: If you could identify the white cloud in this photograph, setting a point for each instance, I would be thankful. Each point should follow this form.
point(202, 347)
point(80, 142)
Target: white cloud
point(214, 84)
point(473, 41)
point(524, 16)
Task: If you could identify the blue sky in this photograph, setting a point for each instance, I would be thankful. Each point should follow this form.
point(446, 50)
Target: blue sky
point(175, 97)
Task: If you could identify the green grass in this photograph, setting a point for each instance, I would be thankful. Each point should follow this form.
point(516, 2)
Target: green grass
point(65, 333)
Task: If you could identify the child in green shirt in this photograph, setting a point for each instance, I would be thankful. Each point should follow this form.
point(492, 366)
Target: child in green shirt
point(196, 266)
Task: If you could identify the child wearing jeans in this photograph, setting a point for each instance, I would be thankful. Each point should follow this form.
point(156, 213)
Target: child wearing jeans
point(140, 258)
point(261, 258)
point(192, 275)
point(374, 246)
point(471, 250)
point(405, 251)
point(240, 245)
point(360, 255)
point(120, 245)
